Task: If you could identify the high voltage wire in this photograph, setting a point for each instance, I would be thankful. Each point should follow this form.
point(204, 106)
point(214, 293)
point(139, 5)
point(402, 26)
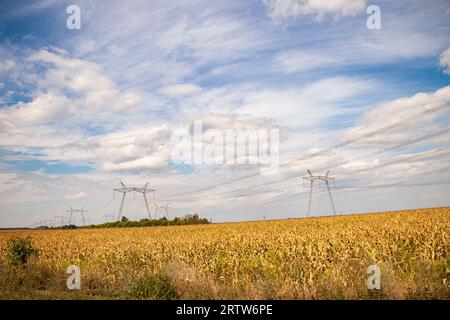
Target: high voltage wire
point(410, 157)
point(102, 210)
point(300, 195)
point(356, 186)
point(345, 187)
point(431, 135)
point(321, 152)
point(291, 196)
point(294, 185)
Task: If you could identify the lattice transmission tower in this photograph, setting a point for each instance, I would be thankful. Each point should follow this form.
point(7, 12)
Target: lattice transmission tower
point(327, 179)
point(71, 211)
point(127, 189)
point(163, 208)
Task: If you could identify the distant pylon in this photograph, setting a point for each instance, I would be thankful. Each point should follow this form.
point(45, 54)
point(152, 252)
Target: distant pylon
point(56, 217)
point(126, 189)
point(81, 211)
point(326, 178)
point(165, 208)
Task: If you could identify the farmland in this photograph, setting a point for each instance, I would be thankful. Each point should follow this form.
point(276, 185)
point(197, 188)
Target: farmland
point(315, 258)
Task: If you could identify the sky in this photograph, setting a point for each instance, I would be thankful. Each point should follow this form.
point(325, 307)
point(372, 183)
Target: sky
point(83, 109)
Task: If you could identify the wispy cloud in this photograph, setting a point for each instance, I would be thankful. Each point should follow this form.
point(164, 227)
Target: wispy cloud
point(444, 61)
point(180, 89)
point(282, 10)
point(76, 196)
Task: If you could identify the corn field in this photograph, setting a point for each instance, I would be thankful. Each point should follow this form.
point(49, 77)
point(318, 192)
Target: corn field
point(315, 258)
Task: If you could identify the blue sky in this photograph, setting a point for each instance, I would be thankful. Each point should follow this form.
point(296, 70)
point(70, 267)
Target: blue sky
point(81, 110)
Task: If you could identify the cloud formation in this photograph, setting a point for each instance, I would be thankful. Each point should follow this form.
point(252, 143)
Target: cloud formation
point(444, 61)
point(77, 196)
point(283, 10)
point(181, 89)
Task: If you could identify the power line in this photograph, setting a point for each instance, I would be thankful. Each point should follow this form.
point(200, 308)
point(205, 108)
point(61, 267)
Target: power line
point(297, 196)
point(371, 168)
point(293, 196)
point(321, 152)
point(252, 187)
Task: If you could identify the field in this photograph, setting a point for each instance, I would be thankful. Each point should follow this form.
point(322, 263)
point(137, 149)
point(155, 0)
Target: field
point(316, 258)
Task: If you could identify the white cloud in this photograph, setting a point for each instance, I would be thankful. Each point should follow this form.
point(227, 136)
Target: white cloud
point(282, 10)
point(293, 61)
point(444, 61)
point(403, 108)
point(180, 89)
point(77, 196)
point(68, 96)
point(301, 106)
point(375, 48)
point(137, 149)
point(85, 78)
point(149, 162)
point(45, 108)
point(29, 186)
point(159, 43)
point(7, 65)
point(304, 107)
point(210, 39)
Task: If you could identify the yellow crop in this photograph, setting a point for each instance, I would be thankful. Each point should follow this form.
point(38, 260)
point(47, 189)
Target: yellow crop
point(296, 258)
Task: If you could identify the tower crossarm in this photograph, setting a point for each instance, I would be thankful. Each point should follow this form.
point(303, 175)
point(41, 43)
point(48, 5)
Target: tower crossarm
point(323, 178)
point(134, 189)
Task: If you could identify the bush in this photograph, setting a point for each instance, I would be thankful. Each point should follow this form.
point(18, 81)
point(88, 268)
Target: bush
point(125, 222)
point(20, 249)
point(154, 287)
point(69, 226)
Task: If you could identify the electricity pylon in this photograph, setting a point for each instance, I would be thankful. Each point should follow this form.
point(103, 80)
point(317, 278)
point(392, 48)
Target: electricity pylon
point(165, 208)
point(326, 178)
point(81, 211)
point(56, 217)
point(126, 189)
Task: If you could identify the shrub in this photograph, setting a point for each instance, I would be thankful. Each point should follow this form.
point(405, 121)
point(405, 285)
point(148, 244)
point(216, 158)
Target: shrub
point(69, 226)
point(154, 287)
point(125, 222)
point(20, 249)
